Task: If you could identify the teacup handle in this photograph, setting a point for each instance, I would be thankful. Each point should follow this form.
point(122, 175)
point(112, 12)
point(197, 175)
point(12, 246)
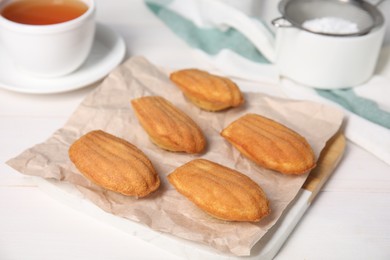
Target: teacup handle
point(280, 22)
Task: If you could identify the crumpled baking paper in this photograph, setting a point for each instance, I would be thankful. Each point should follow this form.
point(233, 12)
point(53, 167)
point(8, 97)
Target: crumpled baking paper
point(108, 108)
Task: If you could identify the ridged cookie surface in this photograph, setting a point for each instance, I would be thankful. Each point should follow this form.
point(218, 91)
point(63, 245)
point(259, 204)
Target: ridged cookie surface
point(167, 126)
point(270, 144)
point(220, 191)
point(114, 164)
point(207, 91)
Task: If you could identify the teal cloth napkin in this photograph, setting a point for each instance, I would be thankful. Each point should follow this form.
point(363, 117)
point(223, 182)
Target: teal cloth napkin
point(209, 40)
point(364, 107)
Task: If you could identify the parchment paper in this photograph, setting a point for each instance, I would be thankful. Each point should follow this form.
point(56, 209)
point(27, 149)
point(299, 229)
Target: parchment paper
point(108, 108)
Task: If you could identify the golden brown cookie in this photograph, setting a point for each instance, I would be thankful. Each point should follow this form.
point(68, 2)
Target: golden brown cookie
point(114, 164)
point(167, 126)
point(207, 91)
point(220, 191)
point(270, 144)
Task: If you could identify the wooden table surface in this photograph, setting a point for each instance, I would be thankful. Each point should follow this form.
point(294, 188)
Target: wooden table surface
point(349, 219)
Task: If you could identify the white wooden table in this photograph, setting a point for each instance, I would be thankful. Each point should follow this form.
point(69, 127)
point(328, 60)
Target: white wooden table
point(350, 219)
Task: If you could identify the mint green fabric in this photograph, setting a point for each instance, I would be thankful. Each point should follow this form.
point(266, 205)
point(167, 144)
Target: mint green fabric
point(363, 107)
point(209, 40)
point(213, 40)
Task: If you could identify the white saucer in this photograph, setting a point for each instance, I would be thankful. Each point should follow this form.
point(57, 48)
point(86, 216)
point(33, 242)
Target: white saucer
point(107, 52)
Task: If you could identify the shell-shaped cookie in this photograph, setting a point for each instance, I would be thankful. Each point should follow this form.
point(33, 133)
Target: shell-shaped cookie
point(207, 91)
point(270, 144)
point(114, 164)
point(220, 191)
point(167, 126)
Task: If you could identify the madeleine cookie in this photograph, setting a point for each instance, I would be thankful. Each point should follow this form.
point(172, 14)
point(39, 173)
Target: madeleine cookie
point(167, 126)
point(114, 164)
point(220, 191)
point(270, 144)
point(207, 91)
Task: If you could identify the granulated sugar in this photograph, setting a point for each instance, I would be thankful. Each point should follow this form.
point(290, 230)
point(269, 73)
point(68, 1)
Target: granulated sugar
point(333, 25)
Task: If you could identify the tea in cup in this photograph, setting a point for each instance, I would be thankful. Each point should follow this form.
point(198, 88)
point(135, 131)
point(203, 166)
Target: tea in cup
point(47, 38)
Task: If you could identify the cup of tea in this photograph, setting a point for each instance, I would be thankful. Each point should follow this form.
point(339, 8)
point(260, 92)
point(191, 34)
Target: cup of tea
point(47, 38)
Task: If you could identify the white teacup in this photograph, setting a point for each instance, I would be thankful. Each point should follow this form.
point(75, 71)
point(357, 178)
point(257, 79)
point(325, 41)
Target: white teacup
point(49, 50)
